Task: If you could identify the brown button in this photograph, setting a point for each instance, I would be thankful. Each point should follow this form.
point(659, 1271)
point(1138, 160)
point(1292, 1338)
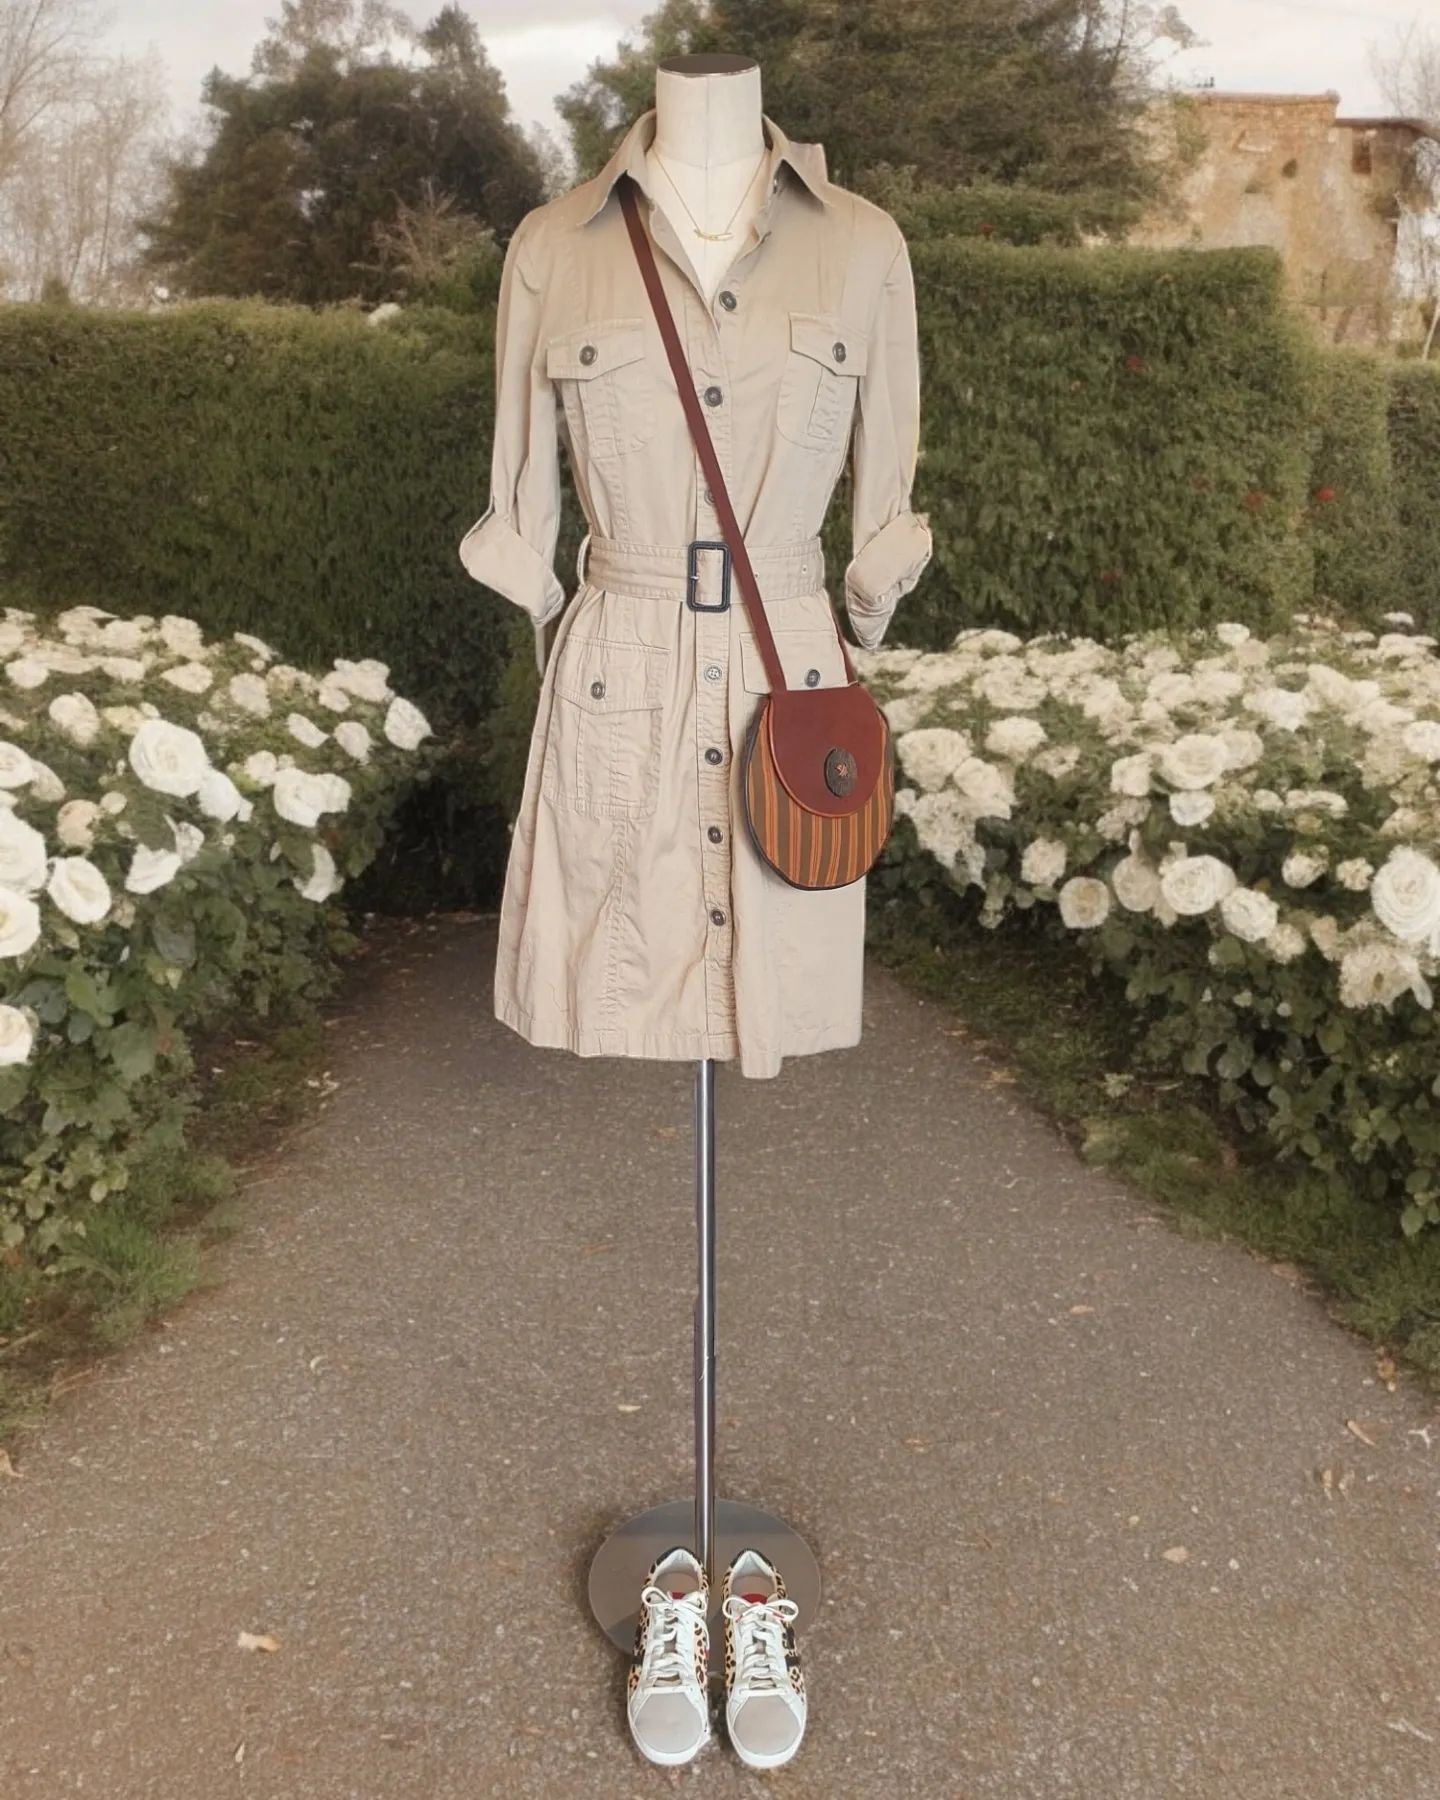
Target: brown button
point(712, 396)
point(597, 688)
point(714, 756)
point(716, 916)
point(714, 833)
point(839, 350)
point(812, 678)
point(587, 353)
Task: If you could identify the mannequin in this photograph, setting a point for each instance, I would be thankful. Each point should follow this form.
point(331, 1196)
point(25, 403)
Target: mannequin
point(707, 157)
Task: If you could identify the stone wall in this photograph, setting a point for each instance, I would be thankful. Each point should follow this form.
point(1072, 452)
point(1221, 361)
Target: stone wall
point(1284, 170)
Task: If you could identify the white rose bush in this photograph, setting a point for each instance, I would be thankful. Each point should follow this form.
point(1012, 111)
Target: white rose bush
point(176, 816)
point(1245, 831)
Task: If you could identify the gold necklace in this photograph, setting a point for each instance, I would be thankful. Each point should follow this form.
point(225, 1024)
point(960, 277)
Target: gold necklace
point(713, 237)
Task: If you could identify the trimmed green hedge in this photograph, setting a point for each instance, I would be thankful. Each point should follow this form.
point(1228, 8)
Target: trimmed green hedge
point(1414, 422)
point(1114, 439)
point(1352, 488)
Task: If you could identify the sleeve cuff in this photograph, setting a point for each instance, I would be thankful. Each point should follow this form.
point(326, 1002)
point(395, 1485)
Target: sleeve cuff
point(496, 554)
point(884, 571)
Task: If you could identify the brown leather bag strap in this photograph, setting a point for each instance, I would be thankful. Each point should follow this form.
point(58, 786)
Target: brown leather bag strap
point(700, 431)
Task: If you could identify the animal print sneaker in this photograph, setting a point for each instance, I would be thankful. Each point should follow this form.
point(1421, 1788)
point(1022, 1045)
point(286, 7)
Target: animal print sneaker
point(764, 1686)
point(668, 1703)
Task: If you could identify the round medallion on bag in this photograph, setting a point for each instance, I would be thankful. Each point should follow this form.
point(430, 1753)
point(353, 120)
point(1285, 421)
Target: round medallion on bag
point(840, 771)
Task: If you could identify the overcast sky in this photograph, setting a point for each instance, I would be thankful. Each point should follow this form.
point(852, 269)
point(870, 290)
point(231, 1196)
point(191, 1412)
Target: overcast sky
point(1289, 46)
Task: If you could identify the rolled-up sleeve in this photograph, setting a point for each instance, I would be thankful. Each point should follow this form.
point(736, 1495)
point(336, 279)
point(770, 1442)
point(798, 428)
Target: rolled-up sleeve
point(891, 543)
point(511, 546)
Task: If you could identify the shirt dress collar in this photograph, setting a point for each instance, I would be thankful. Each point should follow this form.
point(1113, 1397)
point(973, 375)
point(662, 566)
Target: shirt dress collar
point(628, 157)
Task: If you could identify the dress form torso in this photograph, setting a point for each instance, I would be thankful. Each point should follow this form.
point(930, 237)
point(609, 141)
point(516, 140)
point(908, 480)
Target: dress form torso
point(708, 156)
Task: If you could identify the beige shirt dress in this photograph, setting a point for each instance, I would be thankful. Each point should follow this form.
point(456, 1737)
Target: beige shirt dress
point(636, 917)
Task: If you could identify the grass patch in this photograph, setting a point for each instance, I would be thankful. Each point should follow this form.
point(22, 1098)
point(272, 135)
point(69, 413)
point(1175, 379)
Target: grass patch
point(1069, 1034)
point(144, 1248)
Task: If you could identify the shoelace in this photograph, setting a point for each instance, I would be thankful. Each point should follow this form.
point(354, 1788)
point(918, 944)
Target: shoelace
point(760, 1639)
point(677, 1632)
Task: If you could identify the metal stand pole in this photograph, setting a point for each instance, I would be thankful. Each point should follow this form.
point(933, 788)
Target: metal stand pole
point(721, 1528)
point(705, 1317)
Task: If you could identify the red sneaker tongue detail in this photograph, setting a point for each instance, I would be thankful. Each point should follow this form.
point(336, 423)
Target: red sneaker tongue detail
point(755, 1599)
point(677, 1593)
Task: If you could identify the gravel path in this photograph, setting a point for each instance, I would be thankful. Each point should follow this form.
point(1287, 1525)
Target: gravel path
point(1063, 1468)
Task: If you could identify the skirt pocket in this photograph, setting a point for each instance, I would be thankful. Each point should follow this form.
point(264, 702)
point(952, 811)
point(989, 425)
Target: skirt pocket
point(603, 754)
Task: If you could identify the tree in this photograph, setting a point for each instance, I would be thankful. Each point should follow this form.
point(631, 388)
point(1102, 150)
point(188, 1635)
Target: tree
point(1044, 92)
point(79, 135)
point(300, 193)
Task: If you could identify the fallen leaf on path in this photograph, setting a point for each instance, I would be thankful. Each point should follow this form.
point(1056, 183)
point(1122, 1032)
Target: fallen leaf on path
point(1082, 1309)
point(240, 1751)
point(8, 1468)
point(248, 1641)
point(1177, 1554)
point(918, 1443)
point(1360, 1432)
point(623, 1407)
point(1385, 1369)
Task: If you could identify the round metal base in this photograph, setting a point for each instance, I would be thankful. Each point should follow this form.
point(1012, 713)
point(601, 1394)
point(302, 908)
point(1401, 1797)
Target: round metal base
point(623, 1561)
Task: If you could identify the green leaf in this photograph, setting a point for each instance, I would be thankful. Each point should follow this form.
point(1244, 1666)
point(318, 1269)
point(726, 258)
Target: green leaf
point(132, 1049)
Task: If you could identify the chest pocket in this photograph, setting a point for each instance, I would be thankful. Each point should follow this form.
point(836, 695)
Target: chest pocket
point(823, 366)
point(606, 385)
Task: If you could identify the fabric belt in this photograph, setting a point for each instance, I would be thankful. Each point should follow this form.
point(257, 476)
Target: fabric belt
point(662, 570)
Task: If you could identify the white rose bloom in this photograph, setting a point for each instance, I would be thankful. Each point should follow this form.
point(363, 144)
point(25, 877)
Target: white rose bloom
point(337, 792)
point(1215, 687)
point(250, 694)
point(1283, 707)
point(1131, 775)
point(1195, 884)
point(323, 880)
point(1285, 943)
point(1058, 761)
point(1043, 862)
point(368, 679)
point(190, 677)
point(23, 856)
point(75, 716)
point(1406, 895)
point(1117, 823)
point(285, 678)
point(1194, 761)
point(1325, 935)
point(1382, 715)
point(1243, 747)
point(1355, 874)
point(46, 784)
point(128, 719)
point(1398, 618)
point(1421, 737)
point(1300, 869)
point(124, 636)
point(333, 697)
point(905, 799)
point(1232, 633)
point(189, 839)
point(1015, 737)
point(1136, 883)
point(124, 668)
point(182, 634)
point(904, 711)
point(12, 636)
point(262, 766)
point(305, 730)
point(1317, 800)
point(169, 758)
point(75, 824)
point(217, 795)
point(1084, 903)
point(17, 1034)
point(1251, 915)
point(79, 889)
point(151, 869)
point(1009, 687)
point(300, 796)
point(405, 725)
point(930, 756)
point(943, 825)
point(1191, 808)
point(113, 801)
point(17, 769)
point(27, 671)
point(353, 739)
point(989, 789)
point(19, 922)
point(1376, 974)
point(258, 645)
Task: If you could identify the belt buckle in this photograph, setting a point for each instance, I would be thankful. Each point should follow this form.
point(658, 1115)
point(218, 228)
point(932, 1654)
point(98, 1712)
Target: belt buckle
point(692, 574)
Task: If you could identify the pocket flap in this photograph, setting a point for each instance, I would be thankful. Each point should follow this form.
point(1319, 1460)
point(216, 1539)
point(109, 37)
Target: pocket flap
point(840, 347)
point(799, 653)
point(604, 676)
point(594, 349)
